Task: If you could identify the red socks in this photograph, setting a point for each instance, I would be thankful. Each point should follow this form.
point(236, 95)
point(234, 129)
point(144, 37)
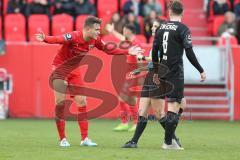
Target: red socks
point(81, 117)
point(83, 121)
point(60, 120)
point(123, 112)
point(134, 113)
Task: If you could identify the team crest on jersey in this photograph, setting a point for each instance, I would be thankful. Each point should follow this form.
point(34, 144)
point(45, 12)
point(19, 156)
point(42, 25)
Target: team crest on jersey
point(67, 37)
point(189, 38)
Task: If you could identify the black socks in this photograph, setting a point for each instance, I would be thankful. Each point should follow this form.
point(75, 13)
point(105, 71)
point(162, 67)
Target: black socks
point(142, 122)
point(170, 126)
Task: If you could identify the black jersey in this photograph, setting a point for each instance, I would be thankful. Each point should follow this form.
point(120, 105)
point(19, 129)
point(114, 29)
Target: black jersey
point(171, 39)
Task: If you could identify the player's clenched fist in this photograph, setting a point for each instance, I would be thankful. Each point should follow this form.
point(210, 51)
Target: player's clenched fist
point(203, 76)
point(156, 79)
point(40, 36)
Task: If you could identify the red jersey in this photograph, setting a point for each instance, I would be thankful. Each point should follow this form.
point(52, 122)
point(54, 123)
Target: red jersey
point(73, 44)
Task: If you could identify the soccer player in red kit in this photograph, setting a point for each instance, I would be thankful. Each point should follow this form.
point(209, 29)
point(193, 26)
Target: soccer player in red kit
point(127, 102)
point(74, 44)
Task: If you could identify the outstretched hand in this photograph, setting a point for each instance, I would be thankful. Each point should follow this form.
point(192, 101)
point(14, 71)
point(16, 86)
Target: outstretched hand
point(135, 50)
point(133, 73)
point(110, 27)
point(40, 36)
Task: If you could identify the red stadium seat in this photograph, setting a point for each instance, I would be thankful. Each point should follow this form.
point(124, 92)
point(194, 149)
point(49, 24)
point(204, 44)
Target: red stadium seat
point(5, 3)
point(107, 8)
point(210, 18)
point(80, 22)
point(0, 28)
point(141, 38)
point(61, 24)
point(37, 23)
point(218, 20)
point(15, 27)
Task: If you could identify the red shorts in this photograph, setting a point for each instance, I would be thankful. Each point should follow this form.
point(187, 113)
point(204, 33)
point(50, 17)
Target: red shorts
point(72, 78)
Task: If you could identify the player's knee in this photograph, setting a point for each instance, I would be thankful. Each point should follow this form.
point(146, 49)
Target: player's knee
point(81, 101)
point(142, 112)
point(132, 101)
point(183, 103)
point(60, 85)
point(172, 118)
point(159, 112)
point(60, 100)
point(174, 105)
point(163, 120)
point(159, 115)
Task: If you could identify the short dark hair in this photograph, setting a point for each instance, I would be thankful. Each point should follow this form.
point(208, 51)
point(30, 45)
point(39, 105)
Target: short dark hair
point(176, 7)
point(131, 27)
point(91, 20)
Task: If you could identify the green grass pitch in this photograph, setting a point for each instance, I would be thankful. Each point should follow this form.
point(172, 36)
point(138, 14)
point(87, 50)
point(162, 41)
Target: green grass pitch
point(37, 140)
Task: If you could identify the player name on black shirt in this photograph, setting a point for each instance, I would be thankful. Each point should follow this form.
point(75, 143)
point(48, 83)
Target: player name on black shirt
point(171, 38)
point(169, 26)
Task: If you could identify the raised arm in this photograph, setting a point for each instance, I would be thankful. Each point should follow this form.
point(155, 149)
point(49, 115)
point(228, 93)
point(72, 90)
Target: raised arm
point(61, 39)
point(110, 29)
point(101, 45)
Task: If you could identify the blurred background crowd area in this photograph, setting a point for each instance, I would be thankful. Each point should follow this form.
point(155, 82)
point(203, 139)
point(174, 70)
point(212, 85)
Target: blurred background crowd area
point(23, 17)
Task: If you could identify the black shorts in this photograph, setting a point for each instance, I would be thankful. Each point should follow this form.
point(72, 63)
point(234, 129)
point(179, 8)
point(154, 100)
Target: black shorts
point(151, 90)
point(172, 88)
point(178, 88)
